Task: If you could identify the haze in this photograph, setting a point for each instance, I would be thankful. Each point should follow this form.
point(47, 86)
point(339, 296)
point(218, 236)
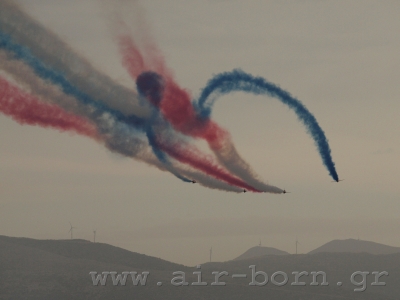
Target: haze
point(339, 58)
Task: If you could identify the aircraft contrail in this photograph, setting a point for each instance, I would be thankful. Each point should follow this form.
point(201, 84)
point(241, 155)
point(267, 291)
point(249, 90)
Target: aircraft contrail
point(237, 80)
point(26, 109)
point(155, 123)
point(177, 107)
point(97, 108)
point(55, 53)
point(96, 115)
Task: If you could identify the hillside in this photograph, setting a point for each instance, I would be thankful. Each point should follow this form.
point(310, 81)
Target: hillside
point(356, 246)
point(51, 269)
point(82, 249)
point(338, 266)
point(258, 251)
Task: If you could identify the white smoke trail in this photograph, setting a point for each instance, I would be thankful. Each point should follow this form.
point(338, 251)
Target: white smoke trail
point(57, 54)
point(226, 153)
point(117, 137)
point(228, 156)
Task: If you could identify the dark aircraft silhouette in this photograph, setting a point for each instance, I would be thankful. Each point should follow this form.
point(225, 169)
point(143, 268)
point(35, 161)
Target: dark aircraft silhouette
point(284, 192)
point(338, 180)
point(193, 181)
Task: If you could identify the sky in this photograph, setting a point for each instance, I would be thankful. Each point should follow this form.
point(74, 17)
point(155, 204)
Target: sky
point(340, 58)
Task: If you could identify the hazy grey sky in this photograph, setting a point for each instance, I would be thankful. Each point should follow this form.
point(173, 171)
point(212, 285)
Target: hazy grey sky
point(340, 58)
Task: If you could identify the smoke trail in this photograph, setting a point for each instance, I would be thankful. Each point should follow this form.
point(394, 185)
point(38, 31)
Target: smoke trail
point(177, 108)
point(118, 137)
point(190, 155)
point(237, 80)
point(132, 58)
point(25, 76)
point(56, 54)
point(162, 157)
point(112, 132)
point(25, 109)
point(152, 86)
point(139, 54)
point(56, 78)
point(176, 105)
point(121, 140)
point(228, 157)
point(95, 96)
point(208, 181)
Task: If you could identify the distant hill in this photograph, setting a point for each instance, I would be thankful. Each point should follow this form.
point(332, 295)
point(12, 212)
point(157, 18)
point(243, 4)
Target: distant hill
point(258, 251)
point(59, 269)
point(356, 246)
point(100, 252)
point(338, 268)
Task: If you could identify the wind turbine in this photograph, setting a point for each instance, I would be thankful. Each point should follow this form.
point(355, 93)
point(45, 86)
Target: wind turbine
point(94, 236)
point(71, 229)
point(297, 243)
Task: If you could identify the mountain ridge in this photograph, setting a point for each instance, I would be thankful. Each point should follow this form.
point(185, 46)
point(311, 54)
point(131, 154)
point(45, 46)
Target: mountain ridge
point(60, 269)
point(356, 246)
point(258, 251)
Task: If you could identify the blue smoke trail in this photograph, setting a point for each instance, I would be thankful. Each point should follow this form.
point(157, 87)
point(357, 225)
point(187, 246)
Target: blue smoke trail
point(151, 86)
point(237, 80)
point(152, 139)
point(57, 78)
point(161, 156)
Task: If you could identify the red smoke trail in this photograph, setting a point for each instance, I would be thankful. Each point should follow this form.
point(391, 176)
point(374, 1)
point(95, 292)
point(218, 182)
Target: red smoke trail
point(193, 157)
point(178, 110)
point(132, 59)
point(26, 109)
point(135, 62)
point(176, 105)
